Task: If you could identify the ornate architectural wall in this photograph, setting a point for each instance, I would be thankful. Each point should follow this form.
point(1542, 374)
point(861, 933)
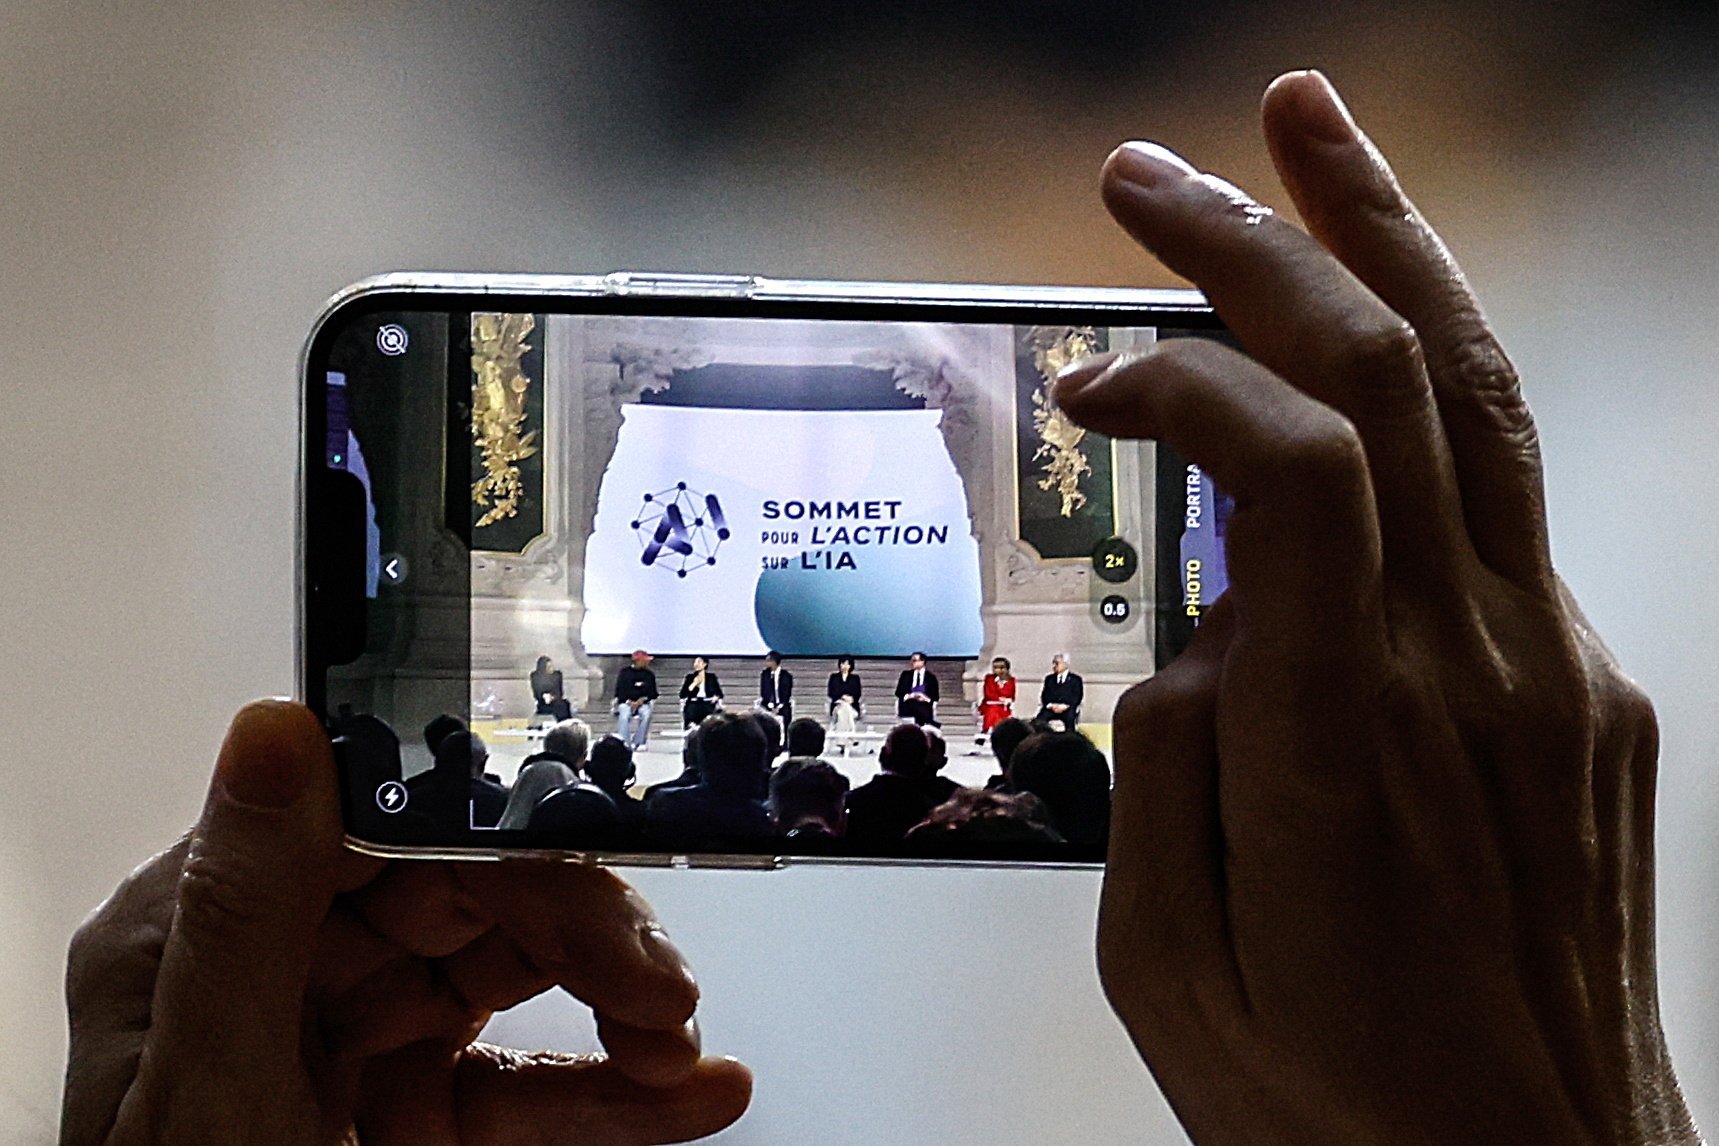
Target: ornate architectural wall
point(527, 604)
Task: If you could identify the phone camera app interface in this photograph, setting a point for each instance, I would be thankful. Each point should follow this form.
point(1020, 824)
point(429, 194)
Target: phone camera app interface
point(683, 585)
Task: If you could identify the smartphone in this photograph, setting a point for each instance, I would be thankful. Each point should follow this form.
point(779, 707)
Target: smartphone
point(733, 571)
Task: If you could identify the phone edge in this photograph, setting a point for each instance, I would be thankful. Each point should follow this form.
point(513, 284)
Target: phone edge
point(691, 286)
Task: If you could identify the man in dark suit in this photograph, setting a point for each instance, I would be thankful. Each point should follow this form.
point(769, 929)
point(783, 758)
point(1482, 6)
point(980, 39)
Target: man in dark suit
point(1061, 695)
point(916, 692)
point(776, 689)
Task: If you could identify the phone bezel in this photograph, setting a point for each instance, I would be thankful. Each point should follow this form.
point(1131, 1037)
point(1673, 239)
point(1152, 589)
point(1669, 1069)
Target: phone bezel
point(688, 295)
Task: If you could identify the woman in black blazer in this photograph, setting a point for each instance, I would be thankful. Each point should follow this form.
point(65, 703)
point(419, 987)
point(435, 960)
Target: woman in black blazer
point(844, 693)
point(844, 682)
point(700, 693)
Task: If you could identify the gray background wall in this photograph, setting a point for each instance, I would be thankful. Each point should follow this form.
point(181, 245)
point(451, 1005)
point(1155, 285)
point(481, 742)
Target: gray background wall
point(180, 186)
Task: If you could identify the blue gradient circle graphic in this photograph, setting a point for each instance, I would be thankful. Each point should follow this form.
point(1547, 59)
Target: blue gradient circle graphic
point(896, 601)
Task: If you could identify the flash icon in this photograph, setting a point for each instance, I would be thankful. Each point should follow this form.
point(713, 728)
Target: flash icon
point(391, 796)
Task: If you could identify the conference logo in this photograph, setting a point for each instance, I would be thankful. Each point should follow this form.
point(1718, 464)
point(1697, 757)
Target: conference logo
point(680, 529)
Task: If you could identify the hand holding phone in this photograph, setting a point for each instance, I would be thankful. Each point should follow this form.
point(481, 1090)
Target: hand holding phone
point(1384, 858)
point(261, 982)
point(1383, 839)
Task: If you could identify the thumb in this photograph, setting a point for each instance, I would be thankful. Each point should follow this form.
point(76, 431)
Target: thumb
point(261, 871)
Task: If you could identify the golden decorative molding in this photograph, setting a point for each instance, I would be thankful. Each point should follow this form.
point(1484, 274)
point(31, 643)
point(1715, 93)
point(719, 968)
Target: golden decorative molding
point(499, 387)
point(1059, 438)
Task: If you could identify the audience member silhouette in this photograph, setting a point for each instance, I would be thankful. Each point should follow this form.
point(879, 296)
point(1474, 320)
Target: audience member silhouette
point(1070, 774)
point(455, 791)
point(580, 815)
point(976, 817)
point(611, 768)
point(567, 742)
point(369, 753)
point(725, 809)
point(538, 776)
point(808, 799)
point(689, 773)
point(881, 811)
point(439, 728)
point(556, 766)
point(1005, 738)
point(939, 788)
point(772, 729)
point(805, 738)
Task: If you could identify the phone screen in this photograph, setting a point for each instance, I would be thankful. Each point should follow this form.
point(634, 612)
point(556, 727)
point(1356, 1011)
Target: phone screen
point(707, 585)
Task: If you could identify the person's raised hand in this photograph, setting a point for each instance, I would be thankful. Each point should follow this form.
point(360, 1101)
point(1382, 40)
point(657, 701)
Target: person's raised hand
point(1381, 864)
point(260, 983)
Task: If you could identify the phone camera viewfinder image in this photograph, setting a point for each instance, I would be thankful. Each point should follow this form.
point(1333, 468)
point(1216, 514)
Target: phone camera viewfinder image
point(651, 585)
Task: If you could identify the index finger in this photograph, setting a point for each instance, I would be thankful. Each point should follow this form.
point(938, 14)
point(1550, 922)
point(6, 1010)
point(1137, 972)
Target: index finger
point(1305, 317)
point(1303, 541)
point(582, 927)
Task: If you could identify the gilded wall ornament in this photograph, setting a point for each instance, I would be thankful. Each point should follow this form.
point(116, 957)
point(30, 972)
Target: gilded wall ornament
point(499, 387)
point(1059, 438)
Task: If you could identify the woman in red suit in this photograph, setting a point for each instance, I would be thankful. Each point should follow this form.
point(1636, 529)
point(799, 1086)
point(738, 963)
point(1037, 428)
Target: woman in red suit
point(999, 701)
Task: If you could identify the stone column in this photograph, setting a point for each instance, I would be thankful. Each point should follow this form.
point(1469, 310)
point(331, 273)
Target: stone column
point(1042, 606)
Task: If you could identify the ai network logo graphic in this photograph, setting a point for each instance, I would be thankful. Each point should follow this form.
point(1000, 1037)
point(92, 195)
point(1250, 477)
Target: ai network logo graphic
point(680, 529)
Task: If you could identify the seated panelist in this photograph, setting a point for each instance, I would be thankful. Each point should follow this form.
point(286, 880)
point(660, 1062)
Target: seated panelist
point(845, 708)
point(548, 692)
point(700, 693)
point(997, 703)
point(844, 687)
point(776, 689)
point(916, 692)
point(635, 698)
point(1060, 697)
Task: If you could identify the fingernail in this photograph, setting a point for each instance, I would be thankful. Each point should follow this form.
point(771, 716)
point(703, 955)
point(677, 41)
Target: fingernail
point(664, 953)
point(263, 761)
point(694, 1035)
point(1148, 164)
point(1079, 374)
point(1323, 113)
